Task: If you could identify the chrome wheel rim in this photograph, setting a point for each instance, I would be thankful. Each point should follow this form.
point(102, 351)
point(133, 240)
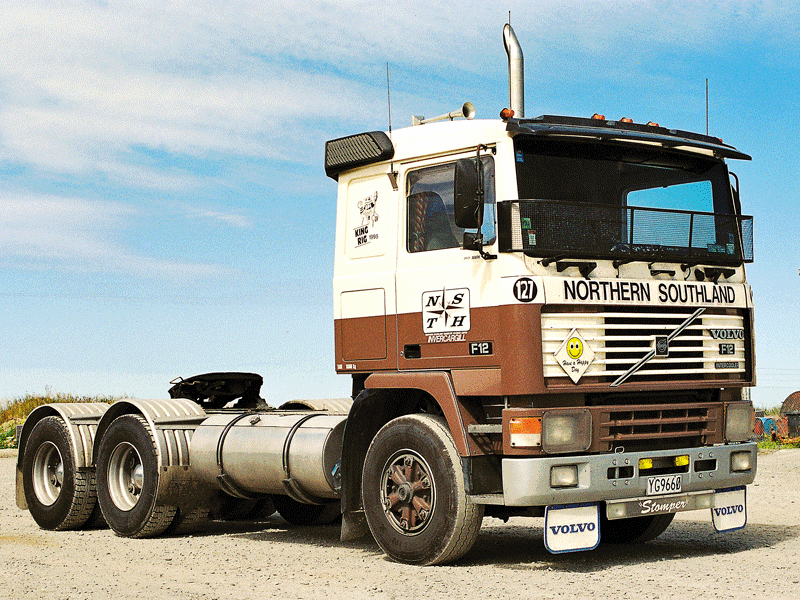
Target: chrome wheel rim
point(407, 492)
point(125, 476)
point(48, 473)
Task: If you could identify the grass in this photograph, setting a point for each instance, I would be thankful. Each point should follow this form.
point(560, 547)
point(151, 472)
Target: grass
point(780, 444)
point(15, 411)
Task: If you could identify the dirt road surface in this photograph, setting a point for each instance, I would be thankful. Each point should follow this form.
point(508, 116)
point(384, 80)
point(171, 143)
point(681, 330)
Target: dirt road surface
point(271, 559)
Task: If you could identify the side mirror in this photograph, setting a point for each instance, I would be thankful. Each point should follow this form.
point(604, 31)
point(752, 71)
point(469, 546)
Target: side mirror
point(468, 195)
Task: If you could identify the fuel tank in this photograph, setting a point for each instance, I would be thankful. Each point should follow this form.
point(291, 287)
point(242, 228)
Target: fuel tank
point(264, 452)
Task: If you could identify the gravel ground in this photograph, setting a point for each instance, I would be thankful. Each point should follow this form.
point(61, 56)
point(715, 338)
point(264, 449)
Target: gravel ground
point(273, 560)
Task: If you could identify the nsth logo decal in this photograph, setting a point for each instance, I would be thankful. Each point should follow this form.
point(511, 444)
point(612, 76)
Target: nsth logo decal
point(445, 314)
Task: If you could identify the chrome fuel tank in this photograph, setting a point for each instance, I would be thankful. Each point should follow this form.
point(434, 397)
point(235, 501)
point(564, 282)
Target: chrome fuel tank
point(257, 452)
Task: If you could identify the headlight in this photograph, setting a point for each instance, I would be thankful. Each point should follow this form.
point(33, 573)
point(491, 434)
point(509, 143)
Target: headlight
point(738, 422)
point(566, 431)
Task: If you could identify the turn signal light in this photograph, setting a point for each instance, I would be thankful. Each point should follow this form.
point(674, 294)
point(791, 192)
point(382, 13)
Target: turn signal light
point(525, 431)
point(506, 113)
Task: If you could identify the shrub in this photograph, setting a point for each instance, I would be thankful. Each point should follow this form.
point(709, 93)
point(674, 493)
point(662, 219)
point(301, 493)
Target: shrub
point(16, 411)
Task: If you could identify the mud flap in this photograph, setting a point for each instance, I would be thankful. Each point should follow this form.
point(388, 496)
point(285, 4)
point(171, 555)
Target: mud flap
point(730, 509)
point(571, 527)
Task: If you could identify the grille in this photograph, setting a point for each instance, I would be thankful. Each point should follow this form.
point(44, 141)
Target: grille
point(620, 337)
point(686, 422)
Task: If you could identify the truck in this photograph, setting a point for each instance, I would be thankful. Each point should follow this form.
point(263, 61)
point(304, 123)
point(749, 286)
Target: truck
point(541, 317)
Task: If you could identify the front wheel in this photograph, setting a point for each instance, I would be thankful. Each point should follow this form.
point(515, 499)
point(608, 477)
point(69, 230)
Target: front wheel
point(127, 480)
point(414, 494)
point(58, 495)
point(634, 530)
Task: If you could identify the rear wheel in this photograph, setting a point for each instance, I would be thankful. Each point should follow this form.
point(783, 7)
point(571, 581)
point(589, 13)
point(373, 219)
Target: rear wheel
point(127, 480)
point(188, 520)
point(635, 530)
point(58, 496)
point(414, 494)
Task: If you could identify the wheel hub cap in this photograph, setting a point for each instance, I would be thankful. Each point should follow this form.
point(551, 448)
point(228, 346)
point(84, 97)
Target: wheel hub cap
point(406, 492)
point(125, 476)
point(48, 473)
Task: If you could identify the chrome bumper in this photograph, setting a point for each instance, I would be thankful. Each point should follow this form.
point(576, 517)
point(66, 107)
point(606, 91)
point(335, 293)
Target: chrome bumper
point(526, 481)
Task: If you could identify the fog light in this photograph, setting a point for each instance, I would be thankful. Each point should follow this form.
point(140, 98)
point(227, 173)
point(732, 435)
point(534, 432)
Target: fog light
point(682, 460)
point(645, 463)
point(738, 422)
point(740, 461)
point(564, 476)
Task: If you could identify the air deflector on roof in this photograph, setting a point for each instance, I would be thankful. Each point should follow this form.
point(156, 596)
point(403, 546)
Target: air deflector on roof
point(356, 151)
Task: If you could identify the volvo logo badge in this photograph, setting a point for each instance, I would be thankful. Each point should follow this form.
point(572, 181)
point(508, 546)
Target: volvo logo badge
point(727, 334)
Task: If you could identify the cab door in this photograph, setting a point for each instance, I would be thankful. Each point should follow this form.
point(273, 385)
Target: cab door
point(446, 305)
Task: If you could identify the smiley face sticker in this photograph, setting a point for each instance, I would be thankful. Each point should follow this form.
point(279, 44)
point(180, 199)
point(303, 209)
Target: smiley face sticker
point(574, 347)
point(574, 355)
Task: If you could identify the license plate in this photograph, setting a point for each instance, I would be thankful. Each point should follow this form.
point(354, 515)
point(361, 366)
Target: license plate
point(664, 484)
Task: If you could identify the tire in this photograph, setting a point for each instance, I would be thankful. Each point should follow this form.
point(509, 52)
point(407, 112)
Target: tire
point(414, 495)
point(59, 497)
point(188, 520)
point(127, 480)
point(635, 530)
point(298, 513)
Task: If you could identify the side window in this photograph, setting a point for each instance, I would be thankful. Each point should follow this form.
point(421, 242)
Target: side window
point(431, 221)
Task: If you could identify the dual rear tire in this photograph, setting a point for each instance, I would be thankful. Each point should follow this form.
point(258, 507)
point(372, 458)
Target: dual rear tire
point(59, 496)
point(127, 480)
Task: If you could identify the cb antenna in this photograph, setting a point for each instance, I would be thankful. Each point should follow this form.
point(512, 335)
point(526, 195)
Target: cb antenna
point(389, 99)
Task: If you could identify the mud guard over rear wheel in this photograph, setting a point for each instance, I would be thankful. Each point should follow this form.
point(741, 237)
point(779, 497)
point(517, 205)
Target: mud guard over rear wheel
point(127, 480)
point(414, 494)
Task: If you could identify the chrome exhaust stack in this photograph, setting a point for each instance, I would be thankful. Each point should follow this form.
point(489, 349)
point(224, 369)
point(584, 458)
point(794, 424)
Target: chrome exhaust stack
point(516, 72)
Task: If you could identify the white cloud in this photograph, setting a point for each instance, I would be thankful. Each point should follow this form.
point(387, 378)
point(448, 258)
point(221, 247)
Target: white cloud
point(229, 218)
point(85, 83)
point(72, 234)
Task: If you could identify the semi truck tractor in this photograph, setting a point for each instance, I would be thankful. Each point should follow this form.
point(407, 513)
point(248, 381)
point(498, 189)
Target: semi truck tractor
point(543, 317)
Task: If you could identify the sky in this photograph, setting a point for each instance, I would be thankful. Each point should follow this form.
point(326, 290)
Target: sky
point(164, 209)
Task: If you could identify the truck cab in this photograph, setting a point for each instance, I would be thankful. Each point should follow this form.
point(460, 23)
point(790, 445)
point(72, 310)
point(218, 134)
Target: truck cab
point(570, 295)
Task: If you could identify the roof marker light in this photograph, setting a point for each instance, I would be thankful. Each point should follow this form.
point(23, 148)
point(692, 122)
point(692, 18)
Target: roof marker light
point(598, 117)
point(652, 124)
point(506, 113)
point(626, 120)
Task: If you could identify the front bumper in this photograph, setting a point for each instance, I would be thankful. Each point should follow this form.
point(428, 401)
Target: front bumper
point(601, 477)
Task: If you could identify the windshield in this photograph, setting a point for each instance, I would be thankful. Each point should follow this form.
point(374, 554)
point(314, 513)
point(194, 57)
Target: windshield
point(593, 200)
